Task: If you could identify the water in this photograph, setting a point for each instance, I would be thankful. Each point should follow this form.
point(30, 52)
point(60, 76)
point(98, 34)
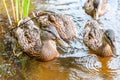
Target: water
point(77, 64)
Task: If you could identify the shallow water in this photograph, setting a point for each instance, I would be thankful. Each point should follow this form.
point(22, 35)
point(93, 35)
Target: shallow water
point(77, 64)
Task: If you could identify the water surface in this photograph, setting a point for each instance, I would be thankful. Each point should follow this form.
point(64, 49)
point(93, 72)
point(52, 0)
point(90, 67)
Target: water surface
point(77, 64)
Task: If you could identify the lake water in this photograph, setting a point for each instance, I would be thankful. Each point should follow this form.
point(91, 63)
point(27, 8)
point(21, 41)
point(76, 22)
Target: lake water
point(77, 63)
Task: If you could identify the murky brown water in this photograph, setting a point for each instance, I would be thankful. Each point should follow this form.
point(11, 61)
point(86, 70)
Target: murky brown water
point(77, 64)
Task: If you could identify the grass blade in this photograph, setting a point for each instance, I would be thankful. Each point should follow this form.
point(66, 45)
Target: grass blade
point(17, 13)
point(21, 14)
point(26, 7)
point(7, 12)
point(13, 8)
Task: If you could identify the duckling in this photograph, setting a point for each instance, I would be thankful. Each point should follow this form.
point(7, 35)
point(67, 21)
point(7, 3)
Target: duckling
point(38, 43)
point(100, 41)
point(63, 23)
point(96, 8)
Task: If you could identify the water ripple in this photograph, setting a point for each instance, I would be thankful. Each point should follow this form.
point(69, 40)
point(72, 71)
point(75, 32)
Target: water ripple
point(89, 63)
point(114, 63)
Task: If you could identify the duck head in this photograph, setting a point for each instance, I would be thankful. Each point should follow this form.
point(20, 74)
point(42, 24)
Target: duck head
point(109, 39)
point(50, 32)
point(99, 41)
point(88, 7)
point(95, 8)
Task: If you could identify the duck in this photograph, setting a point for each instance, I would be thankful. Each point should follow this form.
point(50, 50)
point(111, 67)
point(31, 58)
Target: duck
point(100, 41)
point(63, 23)
point(36, 42)
point(95, 8)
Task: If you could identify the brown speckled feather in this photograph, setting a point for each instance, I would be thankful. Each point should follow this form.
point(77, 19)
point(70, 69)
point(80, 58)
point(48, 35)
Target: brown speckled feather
point(63, 23)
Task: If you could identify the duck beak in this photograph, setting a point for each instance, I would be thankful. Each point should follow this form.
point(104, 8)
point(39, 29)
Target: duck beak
point(97, 15)
point(98, 7)
point(111, 43)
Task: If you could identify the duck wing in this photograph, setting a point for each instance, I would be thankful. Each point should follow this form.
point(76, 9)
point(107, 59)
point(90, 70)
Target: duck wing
point(93, 34)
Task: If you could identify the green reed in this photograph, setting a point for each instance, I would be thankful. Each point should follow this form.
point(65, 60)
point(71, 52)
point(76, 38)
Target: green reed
point(26, 7)
point(20, 9)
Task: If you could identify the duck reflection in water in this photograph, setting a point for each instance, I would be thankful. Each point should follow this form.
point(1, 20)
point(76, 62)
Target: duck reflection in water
point(37, 43)
point(100, 41)
point(95, 8)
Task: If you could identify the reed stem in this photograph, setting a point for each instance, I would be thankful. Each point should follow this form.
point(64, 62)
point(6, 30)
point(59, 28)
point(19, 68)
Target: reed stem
point(28, 5)
point(17, 13)
point(20, 9)
point(21, 14)
point(10, 21)
point(13, 8)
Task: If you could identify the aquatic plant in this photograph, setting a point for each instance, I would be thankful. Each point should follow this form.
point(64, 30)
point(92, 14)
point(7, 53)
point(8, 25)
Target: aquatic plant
point(26, 4)
point(20, 10)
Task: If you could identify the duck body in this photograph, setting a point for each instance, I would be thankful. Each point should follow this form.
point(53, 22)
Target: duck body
point(96, 8)
point(29, 39)
point(96, 39)
point(63, 23)
point(92, 36)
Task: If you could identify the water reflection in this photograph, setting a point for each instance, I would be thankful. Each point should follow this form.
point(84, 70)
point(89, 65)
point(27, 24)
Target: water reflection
point(64, 68)
point(75, 65)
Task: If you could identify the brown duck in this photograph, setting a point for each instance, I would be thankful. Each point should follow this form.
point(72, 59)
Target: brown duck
point(63, 23)
point(95, 8)
point(38, 43)
point(100, 41)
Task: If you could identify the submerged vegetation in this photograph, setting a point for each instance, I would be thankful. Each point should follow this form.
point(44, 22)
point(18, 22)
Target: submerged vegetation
point(20, 9)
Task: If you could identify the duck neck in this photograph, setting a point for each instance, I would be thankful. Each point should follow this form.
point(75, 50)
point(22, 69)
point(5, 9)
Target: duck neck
point(106, 49)
point(48, 50)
